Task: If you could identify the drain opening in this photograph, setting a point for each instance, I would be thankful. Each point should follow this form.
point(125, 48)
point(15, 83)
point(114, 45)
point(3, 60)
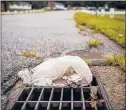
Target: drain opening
point(24, 94)
point(46, 94)
point(94, 82)
point(67, 94)
point(56, 94)
point(86, 92)
point(101, 106)
point(35, 94)
point(66, 106)
point(17, 106)
point(99, 94)
point(78, 106)
point(77, 94)
point(30, 106)
point(54, 106)
point(88, 95)
point(42, 106)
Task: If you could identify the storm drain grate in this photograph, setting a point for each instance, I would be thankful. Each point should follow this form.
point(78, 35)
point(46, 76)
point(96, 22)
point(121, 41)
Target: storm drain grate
point(64, 98)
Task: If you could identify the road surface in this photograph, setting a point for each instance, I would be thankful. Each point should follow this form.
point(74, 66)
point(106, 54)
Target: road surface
point(46, 34)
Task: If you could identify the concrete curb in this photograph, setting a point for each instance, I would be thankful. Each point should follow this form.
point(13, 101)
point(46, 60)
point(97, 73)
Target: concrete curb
point(99, 62)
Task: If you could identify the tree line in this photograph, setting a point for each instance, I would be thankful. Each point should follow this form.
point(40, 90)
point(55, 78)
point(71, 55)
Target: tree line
point(42, 4)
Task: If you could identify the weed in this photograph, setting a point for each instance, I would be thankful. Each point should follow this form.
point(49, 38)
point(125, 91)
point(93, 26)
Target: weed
point(88, 61)
point(116, 60)
point(95, 43)
point(29, 55)
point(32, 55)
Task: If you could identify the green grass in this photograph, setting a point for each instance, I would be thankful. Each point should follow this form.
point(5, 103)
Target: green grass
point(114, 29)
point(95, 43)
point(116, 61)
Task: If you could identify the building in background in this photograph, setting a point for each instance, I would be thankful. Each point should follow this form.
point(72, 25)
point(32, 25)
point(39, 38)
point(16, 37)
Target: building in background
point(11, 6)
point(4, 6)
point(56, 6)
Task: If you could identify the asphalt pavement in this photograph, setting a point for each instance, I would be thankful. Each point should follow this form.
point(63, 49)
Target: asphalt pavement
point(46, 34)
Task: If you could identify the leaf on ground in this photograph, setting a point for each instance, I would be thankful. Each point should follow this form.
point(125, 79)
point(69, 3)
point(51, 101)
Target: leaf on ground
point(94, 104)
point(94, 91)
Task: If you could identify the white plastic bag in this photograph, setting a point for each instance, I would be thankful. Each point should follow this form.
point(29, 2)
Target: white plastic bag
point(46, 72)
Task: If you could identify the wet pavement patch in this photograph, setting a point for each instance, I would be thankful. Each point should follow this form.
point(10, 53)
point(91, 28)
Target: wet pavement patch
point(97, 58)
point(86, 54)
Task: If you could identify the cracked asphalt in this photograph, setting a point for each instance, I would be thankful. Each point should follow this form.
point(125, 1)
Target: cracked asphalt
point(46, 34)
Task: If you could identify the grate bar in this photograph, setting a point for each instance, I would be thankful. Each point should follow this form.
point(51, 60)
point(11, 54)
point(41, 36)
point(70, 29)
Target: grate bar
point(61, 98)
point(29, 94)
point(24, 105)
point(39, 98)
point(90, 85)
point(82, 98)
point(71, 98)
point(51, 95)
point(41, 94)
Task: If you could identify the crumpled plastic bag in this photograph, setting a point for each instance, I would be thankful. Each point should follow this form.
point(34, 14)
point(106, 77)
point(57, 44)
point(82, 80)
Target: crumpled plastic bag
point(46, 72)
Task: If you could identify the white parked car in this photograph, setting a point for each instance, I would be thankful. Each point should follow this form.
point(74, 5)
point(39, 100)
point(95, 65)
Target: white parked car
point(59, 6)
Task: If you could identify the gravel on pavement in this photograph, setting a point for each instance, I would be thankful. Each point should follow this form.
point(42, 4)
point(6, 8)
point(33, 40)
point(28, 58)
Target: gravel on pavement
point(46, 34)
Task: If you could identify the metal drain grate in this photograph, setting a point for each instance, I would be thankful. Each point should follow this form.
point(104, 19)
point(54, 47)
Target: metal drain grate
point(50, 98)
